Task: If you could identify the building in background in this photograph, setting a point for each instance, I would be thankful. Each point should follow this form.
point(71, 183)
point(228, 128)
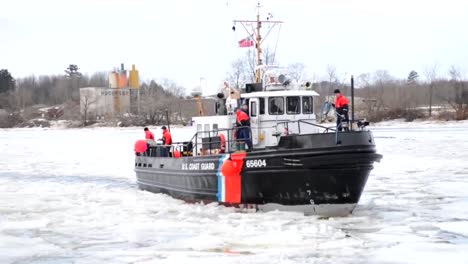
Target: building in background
point(122, 96)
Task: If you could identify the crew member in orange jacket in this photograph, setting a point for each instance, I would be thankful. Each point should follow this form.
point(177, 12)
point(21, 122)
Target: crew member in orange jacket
point(167, 140)
point(149, 137)
point(243, 124)
point(148, 134)
point(222, 143)
point(341, 108)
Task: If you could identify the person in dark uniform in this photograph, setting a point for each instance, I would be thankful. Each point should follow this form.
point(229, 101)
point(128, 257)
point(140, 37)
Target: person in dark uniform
point(243, 126)
point(341, 108)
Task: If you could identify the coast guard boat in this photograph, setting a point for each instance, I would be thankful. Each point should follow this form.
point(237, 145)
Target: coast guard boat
point(296, 164)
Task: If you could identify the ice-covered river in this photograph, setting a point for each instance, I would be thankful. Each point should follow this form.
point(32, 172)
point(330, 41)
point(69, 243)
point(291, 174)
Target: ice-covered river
point(69, 196)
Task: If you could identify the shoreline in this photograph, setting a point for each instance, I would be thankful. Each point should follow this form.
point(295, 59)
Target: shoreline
point(67, 124)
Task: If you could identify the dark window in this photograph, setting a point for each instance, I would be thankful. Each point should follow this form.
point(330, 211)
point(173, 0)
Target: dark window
point(307, 105)
point(253, 108)
point(245, 101)
point(293, 105)
point(276, 105)
point(262, 105)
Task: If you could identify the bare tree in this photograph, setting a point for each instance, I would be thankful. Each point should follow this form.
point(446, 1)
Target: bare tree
point(249, 68)
point(174, 98)
point(238, 76)
point(98, 79)
point(431, 72)
point(153, 101)
point(173, 88)
point(332, 78)
point(87, 102)
point(243, 69)
point(24, 92)
point(458, 99)
point(297, 71)
point(363, 81)
point(381, 79)
point(59, 90)
point(268, 56)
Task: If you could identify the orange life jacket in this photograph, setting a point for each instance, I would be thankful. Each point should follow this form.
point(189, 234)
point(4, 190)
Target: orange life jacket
point(340, 101)
point(167, 139)
point(223, 140)
point(149, 135)
point(241, 116)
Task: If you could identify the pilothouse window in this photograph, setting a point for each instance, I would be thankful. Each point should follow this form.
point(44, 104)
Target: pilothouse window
point(307, 105)
point(276, 105)
point(262, 105)
point(253, 109)
point(293, 105)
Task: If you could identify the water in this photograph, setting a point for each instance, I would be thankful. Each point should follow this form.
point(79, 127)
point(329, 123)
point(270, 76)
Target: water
point(69, 196)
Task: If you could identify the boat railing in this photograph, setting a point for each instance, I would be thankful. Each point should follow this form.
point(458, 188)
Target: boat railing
point(341, 126)
point(202, 143)
point(301, 122)
point(359, 124)
point(209, 142)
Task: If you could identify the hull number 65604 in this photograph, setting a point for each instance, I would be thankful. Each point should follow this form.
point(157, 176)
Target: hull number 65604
point(255, 163)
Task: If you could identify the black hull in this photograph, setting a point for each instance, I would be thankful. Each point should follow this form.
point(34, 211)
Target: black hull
point(305, 170)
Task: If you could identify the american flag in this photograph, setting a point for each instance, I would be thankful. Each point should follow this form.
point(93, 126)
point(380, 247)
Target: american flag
point(245, 43)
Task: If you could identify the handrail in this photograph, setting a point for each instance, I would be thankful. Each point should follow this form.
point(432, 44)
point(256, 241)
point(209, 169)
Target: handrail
point(200, 134)
point(195, 142)
point(305, 122)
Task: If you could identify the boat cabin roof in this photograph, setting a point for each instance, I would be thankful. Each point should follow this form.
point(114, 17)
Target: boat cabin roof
point(279, 93)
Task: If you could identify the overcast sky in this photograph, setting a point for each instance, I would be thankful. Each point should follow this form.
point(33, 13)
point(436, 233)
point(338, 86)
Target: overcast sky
point(185, 40)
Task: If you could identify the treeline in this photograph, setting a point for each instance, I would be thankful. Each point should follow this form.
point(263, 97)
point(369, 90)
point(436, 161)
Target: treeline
point(47, 90)
point(380, 96)
point(20, 98)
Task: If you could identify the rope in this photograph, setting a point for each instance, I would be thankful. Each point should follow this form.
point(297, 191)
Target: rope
point(276, 45)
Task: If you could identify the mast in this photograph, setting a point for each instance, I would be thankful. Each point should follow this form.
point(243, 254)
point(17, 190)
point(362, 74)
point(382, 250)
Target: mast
point(257, 46)
point(258, 37)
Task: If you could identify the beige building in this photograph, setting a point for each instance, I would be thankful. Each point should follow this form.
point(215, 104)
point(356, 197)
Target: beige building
point(120, 98)
point(98, 103)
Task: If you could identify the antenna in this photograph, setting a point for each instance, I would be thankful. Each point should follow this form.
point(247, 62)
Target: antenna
point(258, 37)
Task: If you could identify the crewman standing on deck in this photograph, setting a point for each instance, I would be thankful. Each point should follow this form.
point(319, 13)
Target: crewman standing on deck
point(341, 108)
point(243, 124)
point(167, 140)
point(148, 134)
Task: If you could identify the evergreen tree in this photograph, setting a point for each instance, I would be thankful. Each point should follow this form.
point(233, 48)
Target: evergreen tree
point(7, 82)
point(413, 77)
